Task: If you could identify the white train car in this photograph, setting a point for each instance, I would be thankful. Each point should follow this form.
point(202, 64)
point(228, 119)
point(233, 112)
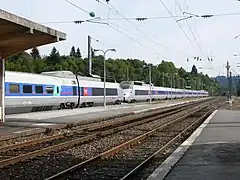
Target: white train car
point(89, 91)
point(138, 91)
point(26, 92)
point(159, 93)
point(135, 91)
point(93, 93)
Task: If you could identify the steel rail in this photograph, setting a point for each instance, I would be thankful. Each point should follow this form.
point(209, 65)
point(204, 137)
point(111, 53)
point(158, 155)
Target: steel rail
point(80, 140)
point(69, 126)
point(67, 172)
point(141, 165)
point(71, 143)
point(88, 129)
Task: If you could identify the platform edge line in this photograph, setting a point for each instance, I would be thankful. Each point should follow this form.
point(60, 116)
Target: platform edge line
point(161, 172)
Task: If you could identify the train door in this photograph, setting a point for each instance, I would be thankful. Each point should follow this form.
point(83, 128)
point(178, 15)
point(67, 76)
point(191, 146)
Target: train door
point(57, 90)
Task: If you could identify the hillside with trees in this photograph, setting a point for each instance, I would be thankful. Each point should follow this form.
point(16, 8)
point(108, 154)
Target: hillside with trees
point(223, 82)
point(117, 69)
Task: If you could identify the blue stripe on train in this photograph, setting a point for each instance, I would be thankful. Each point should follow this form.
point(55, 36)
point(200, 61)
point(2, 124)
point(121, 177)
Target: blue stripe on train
point(68, 90)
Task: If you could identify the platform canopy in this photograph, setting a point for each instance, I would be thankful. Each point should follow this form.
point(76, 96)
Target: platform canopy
point(18, 34)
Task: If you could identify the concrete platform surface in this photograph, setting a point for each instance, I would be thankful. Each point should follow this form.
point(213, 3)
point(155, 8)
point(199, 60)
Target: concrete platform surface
point(214, 155)
point(52, 119)
point(83, 114)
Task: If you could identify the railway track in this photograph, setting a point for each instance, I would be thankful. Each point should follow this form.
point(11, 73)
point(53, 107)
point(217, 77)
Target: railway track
point(91, 127)
point(126, 160)
point(58, 133)
point(50, 158)
point(20, 152)
point(49, 134)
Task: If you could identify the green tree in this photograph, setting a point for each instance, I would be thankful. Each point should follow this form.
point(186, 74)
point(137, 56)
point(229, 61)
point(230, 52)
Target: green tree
point(182, 73)
point(35, 53)
point(73, 52)
point(194, 70)
point(54, 57)
point(78, 53)
point(117, 69)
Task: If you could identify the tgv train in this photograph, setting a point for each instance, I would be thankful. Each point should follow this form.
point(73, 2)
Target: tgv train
point(138, 91)
point(26, 92)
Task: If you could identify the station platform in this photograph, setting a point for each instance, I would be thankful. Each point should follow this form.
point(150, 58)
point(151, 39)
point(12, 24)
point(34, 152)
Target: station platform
point(28, 123)
point(212, 152)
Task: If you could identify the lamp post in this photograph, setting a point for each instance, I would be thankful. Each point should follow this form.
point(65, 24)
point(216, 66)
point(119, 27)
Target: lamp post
point(171, 82)
point(171, 85)
point(163, 84)
point(150, 80)
point(104, 72)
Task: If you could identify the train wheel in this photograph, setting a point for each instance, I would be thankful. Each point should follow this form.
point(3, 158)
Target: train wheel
point(90, 104)
point(84, 105)
point(118, 102)
point(72, 105)
point(62, 106)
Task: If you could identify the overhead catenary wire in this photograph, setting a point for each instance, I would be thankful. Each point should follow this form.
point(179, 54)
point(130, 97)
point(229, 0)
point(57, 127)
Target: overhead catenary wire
point(145, 17)
point(195, 38)
point(69, 2)
point(139, 30)
point(177, 23)
point(235, 71)
point(117, 29)
point(135, 40)
point(182, 28)
point(111, 25)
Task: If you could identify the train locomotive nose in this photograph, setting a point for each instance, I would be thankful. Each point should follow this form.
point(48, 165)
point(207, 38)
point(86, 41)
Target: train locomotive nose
point(126, 96)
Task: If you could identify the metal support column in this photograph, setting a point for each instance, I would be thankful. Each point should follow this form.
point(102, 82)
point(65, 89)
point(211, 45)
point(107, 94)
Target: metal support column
point(104, 79)
point(228, 78)
point(163, 83)
point(2, 89)
point(89, 55)
point(171, 85)
point(230, 85)
point(150, 82)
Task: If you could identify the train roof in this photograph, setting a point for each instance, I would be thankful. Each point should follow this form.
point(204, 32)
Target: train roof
point(69, 74)
point(138, 83)
point(58, 73)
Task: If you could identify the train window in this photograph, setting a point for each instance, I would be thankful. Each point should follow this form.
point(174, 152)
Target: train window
point(57, 90)
point(138, 83)
point(74, 90)
point(49, 89)
point(27, 88)
point(74, 82)
point(38, 89)
point(111, 92)
point(97, 91)
point(14, 88)
point(141, 92)
point(125, 86)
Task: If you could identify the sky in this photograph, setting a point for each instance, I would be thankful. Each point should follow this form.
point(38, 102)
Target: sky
point(152, 40)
